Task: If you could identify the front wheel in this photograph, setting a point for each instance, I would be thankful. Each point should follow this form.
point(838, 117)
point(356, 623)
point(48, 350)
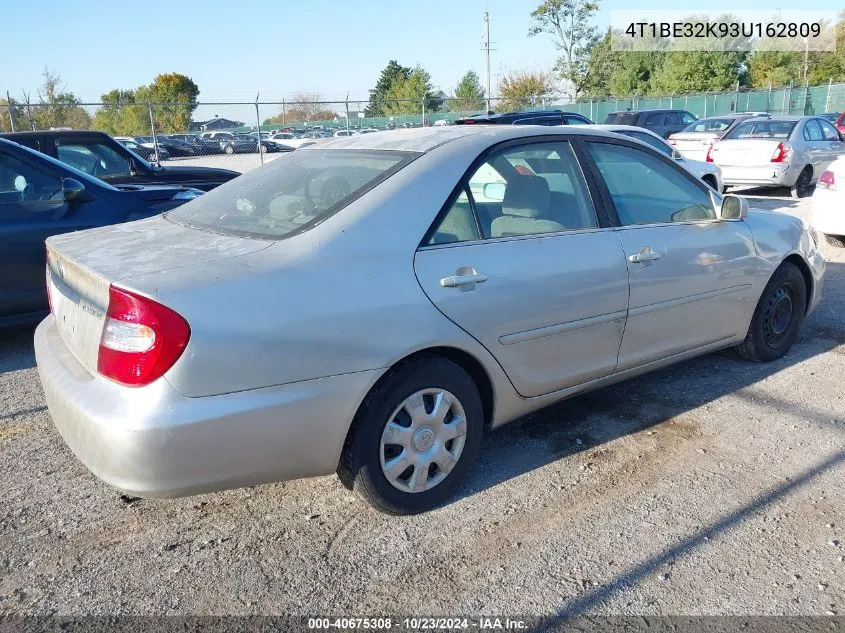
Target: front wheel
point(802, 186)
point(415, 437)
point(778, 316)
point(229, 149)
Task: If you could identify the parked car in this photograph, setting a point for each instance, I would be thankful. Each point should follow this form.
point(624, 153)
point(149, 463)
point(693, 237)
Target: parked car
point(238, 144)
point(39, 197)
point(177, 147)
point(786, 151)
point(147, 153)
point(367, 130)
point(431, 321)
point(539, 117)
point(694, 141)
point(660, 121)
point(340, 133)
point(827, 214)
point(110, 161)
point(289, 139)
point(837, 118)
point(709, 173)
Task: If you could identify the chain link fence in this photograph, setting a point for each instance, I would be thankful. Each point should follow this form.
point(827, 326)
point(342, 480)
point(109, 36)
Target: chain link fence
point(226, 134)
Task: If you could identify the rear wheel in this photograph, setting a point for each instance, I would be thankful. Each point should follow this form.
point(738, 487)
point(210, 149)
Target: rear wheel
point(415, 437)
point(802, 186)
point(835, 240)
point(778, 316)
point(229, 149)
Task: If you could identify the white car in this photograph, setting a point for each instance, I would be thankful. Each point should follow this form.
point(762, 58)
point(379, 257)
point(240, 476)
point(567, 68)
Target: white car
point(707, 172)
point(289, 139)
point(828, 204)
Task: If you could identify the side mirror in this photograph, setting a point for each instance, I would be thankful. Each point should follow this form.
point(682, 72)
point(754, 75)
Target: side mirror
point(733, 208)
point(494, 191)
point(73, 190)
point(676, 155)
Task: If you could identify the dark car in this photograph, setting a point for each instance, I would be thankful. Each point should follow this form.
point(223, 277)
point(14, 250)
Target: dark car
point(112, 162)
point(176, 147)
point(39, 197)
point(540, 117)
point(662, 122)
point(238, 144)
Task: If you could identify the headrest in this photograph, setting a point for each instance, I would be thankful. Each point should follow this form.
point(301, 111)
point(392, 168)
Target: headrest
point(527, 197)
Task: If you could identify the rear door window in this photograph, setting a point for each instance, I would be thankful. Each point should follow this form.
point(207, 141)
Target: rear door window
point(653, 120)
point(828, 131)
point(621, 118)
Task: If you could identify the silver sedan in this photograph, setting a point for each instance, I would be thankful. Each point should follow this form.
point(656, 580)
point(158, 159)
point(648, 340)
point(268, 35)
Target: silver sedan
point(778, 152)
point(369, 305)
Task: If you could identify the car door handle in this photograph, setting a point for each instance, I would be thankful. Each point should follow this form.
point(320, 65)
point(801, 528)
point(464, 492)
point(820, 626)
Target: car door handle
point(645, 255)
point(457, 281)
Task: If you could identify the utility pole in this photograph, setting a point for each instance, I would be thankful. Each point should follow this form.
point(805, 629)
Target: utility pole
point(806, 58)
point(485, 46)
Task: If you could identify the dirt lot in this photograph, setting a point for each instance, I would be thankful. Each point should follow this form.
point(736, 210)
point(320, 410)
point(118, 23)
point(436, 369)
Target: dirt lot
point(713, 487)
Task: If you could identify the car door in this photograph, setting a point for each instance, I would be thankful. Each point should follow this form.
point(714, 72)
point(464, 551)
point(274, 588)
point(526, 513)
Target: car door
point(690, 273)
point(654, 122)
point(32, 207)
point(833, 145)
point(538, 279)
point(814, 146)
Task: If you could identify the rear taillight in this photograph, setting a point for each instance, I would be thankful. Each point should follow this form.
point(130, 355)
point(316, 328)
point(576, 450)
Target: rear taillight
point(48, 276)
point(781, 154)
point(827, 180)
point(141, 339)
point(709, 157)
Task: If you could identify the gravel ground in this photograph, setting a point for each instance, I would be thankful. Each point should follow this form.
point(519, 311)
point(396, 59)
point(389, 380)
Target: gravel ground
point(712, 487)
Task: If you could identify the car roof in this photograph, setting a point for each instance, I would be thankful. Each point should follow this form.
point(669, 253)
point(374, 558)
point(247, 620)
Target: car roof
point(611, 127)
point(424, 139)
point(650, 111)
point(53, 132)
point(780, 118)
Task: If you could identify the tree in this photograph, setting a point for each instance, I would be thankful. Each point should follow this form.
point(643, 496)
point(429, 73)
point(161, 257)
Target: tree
point(829, 65)
point(391, 73)
point(178, 94)
point(58, 108)
point(306, 106)
point(525, 88)
point(406, 96)
point(569, 22)
point(699, 71)
point(16, 116)
point(633, 73)
point(120, 115)
point(775, 68)
point(469, 95)
point(601, 63)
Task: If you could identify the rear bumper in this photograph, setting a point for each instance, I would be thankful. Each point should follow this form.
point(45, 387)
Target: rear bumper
point(772, 175)
point(827, 213)
point(155, 442)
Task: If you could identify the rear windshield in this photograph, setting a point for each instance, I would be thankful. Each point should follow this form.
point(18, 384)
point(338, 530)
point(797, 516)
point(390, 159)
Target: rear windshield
point(762, 129)
point(709, 125)
point(622, 118)
point(292, 194)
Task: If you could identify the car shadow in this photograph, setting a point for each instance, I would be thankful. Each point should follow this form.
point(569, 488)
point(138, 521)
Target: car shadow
point(16, 350)
point(587, 421)
point(768, 198)
point(582, 423)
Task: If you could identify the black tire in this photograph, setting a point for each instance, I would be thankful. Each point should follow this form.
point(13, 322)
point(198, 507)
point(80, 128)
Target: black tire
point(360, 466)
point(777, 317)
point(835, 240)
point(802, 185)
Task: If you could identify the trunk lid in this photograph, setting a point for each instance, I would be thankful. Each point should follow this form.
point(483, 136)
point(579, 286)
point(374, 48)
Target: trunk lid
point(692, 141)
point(82, 265)
point(744, 152)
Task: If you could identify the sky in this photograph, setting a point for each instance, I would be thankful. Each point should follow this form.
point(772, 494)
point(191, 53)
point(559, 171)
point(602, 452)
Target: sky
point(234, 50)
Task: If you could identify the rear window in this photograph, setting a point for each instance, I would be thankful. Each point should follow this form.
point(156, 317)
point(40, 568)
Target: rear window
point(292, 194)
point(762, 129)
point(621, 118)
point(709, 125)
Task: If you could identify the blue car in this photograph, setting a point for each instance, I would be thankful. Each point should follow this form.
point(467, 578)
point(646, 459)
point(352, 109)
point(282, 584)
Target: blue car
point(40, 197)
